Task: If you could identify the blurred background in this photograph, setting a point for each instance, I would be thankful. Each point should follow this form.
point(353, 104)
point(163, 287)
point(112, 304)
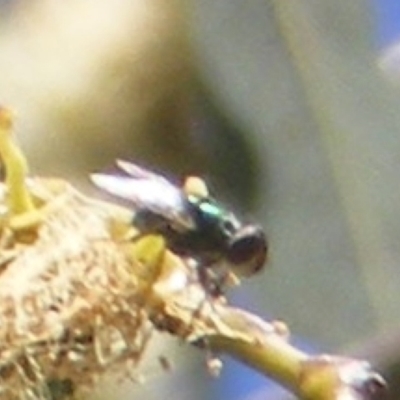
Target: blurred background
point(289, 109)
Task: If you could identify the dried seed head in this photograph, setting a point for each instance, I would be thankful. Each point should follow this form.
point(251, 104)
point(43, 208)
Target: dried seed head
point(73, 302)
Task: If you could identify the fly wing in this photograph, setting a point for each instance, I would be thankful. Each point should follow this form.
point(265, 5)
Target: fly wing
point(147, 190)
point(141, 173)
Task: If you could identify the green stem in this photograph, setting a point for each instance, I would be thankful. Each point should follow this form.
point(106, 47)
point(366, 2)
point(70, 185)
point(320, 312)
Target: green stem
point(19, 199)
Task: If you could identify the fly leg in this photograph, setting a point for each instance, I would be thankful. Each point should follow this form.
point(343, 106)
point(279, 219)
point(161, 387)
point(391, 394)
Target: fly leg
point(212, 286)
point(211, 282)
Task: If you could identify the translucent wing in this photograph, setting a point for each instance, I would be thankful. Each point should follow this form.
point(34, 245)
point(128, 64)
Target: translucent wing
point(141, 173)
point(147, 190)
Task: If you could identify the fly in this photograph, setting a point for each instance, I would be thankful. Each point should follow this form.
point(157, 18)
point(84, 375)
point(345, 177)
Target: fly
point(192, 222)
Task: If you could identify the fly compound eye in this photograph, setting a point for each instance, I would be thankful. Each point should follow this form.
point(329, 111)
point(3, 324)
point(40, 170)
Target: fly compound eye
point(247, 252)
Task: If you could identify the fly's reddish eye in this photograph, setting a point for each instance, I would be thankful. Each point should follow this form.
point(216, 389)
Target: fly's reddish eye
point(247, 252)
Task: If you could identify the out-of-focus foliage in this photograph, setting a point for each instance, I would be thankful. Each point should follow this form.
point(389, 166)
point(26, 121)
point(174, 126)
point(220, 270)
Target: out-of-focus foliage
point(94, 80)
point(305, 79)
